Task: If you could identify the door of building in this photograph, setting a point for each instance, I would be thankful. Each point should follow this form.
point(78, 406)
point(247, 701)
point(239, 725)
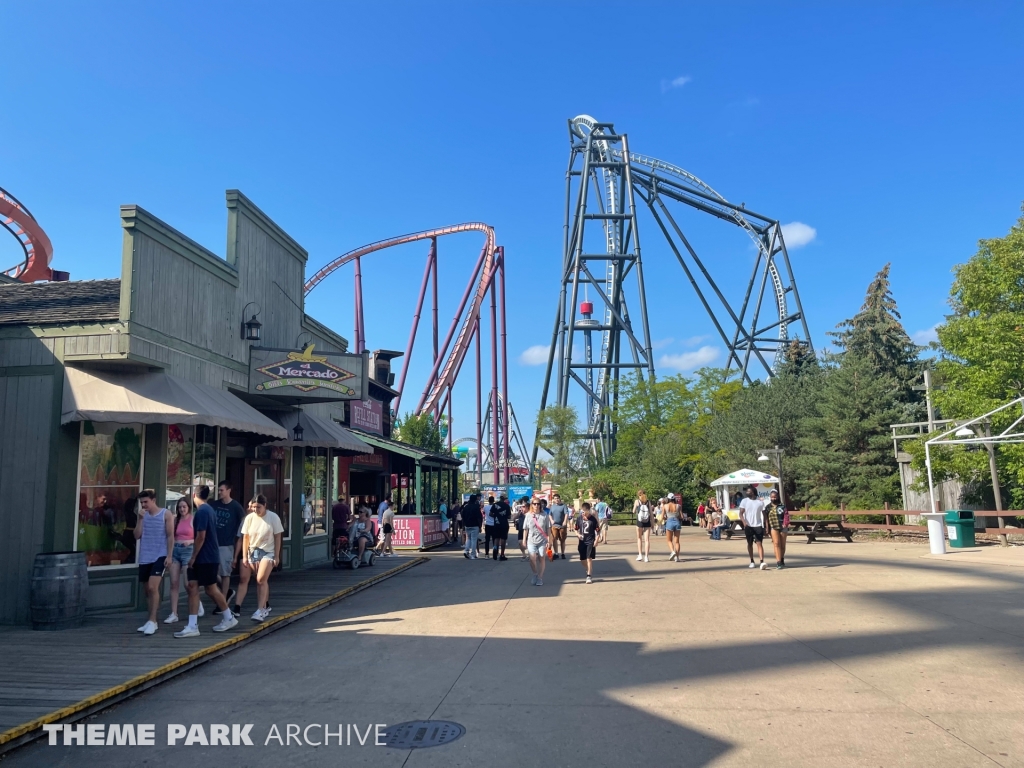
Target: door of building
point(266, 476)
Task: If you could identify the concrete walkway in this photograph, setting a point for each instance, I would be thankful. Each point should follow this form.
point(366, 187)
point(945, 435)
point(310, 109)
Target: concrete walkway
point(863, 654)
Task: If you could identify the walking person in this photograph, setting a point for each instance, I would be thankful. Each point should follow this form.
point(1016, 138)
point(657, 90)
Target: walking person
point(184, 538)
point(673, 524)
point(262, 534)
point(702, 515)
point(472, 517)
point(752, 517)
point(229, 514)
point(387, 531)
point(558, 513)
point(659, 518)
point(520, 518)
point(586, 531)
point(501, 514)
point(488, 525)
point(538, 533)
point(778, 526)
point(642, 517)
point(154, 532)
point(204, 566)
point(601, 512)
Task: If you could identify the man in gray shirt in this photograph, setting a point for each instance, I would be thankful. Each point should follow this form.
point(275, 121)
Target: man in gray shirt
point(558, 512)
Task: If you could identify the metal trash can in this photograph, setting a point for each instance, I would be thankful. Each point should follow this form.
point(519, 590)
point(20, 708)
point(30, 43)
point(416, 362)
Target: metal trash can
point(960, 524)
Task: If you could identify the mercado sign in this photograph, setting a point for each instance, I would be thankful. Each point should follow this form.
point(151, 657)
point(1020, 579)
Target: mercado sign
point(307, 376)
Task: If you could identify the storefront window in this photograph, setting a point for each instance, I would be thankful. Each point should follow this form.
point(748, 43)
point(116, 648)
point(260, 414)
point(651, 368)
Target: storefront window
point(315, 501)
point(110, 457)
point(191, 459)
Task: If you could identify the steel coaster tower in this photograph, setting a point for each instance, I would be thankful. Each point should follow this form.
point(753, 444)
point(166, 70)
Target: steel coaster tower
point(603, 181)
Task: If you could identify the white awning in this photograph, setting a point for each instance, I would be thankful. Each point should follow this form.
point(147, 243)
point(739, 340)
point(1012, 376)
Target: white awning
point(745, 477)
point(317, 432)
point(156, 398)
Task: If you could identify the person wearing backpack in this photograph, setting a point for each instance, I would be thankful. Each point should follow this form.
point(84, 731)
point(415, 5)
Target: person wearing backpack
point(778, 524)
point(643, 514)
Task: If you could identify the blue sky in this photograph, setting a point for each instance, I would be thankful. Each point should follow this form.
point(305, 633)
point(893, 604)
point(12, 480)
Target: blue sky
point(892, 130)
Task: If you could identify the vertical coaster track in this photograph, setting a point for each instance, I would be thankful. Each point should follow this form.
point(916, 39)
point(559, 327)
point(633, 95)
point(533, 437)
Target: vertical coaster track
point(603, 181)
point(493, 432)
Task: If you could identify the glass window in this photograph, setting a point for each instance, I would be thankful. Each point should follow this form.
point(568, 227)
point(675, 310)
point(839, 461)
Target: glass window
point(191, 459)
point(110, 458)
point(314, 501)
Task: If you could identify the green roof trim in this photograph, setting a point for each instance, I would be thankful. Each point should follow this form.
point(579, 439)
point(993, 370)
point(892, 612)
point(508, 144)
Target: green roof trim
point(404, 449)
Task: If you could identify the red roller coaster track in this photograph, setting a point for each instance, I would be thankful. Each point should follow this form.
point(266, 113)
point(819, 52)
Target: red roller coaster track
point(488, 275)
point(17, 220)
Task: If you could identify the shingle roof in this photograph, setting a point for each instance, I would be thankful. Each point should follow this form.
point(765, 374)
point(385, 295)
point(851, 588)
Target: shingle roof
point(82, 301)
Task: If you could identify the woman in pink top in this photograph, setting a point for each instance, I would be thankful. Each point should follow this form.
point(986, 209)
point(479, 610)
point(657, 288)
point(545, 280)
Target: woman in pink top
point(184, 538)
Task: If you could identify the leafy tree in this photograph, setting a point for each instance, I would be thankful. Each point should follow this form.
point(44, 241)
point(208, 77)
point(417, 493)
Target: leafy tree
point(560, 437)
point(981, 363)
point(421, 431)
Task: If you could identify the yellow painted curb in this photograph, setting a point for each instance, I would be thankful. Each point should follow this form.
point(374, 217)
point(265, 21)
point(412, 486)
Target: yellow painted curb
point(216, 649)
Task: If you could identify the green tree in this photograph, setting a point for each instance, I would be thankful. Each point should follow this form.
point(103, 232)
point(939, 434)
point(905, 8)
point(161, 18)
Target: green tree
point(420, 430)
point(560, 437)
point(981, 363)
point(876, 333)
point(844, 450)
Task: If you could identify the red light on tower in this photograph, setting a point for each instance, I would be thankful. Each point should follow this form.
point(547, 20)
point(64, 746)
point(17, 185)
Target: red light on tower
point(587, 308)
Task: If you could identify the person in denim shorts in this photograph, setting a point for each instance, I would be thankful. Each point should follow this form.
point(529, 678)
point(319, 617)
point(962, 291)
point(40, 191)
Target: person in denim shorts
point(184, 539)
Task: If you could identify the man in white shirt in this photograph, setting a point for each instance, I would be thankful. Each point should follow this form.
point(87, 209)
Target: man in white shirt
point(752, 517)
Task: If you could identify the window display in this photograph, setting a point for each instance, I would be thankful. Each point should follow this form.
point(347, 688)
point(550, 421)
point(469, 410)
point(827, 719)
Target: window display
point(191, 459)
point(315, 500)
point(110, 457)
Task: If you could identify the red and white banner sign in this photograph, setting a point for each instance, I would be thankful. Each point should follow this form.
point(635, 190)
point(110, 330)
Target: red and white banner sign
point(417, 531)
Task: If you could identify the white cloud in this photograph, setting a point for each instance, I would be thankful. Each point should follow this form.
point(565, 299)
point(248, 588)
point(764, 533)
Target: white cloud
point(535, 355)
point(797, 234)
point(693, 341)
point(677, 82)
point(688, 361)
point(661, 343)
point(927, 336)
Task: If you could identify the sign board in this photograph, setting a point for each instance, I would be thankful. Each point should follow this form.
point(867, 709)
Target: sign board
point(374, 459)
point(416, 531)
point(305, 375)
point(367, 415)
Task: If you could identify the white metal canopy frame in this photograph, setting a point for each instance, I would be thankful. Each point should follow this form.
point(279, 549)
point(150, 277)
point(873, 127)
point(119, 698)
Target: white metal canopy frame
point(962, 434)
point(603, 180)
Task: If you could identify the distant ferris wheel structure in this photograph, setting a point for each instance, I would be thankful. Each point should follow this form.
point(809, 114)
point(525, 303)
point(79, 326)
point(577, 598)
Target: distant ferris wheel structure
point(601, 255)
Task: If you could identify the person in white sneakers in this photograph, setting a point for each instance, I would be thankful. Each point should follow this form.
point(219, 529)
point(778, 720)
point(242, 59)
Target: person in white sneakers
point(537, 527)
point(643, 515)
point(752, 517)
point(154, 530)
point(204, 567)
point(673, 509)
point(586, 532)
point(262, 534)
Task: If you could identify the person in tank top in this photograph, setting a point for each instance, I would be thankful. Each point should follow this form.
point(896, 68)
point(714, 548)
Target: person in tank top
point(154, 531)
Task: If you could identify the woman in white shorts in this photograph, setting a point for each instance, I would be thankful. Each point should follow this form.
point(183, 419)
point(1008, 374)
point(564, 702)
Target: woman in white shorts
point(537, 531)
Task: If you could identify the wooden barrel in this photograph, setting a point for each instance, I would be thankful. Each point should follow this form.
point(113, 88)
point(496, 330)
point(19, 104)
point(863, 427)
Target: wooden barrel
point(59, 583)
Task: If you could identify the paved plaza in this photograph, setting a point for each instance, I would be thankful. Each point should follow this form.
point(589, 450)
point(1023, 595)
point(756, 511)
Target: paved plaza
point(863, 654)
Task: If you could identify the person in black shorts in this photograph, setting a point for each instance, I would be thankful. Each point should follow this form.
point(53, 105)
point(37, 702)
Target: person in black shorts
point(501, 513)
point(586, 532)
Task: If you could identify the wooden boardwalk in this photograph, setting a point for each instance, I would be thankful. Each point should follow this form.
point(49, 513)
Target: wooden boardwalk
point(48, 671)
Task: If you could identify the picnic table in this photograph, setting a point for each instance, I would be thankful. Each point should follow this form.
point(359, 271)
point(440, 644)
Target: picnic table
point(814, 529)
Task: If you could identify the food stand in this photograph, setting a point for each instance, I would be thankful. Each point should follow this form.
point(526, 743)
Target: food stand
point(727, 486)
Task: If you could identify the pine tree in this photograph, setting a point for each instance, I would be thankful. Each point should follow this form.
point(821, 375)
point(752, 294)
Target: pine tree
point(876, 333)
point(845, 449)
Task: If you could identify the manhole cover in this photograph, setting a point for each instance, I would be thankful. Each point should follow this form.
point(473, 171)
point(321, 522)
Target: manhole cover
point(422, 733)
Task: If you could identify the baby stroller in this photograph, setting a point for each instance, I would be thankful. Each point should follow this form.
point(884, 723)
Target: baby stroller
point(347, 555)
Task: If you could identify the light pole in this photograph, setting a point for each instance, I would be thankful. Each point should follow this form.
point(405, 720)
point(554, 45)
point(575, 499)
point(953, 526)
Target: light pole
point(777, 452)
